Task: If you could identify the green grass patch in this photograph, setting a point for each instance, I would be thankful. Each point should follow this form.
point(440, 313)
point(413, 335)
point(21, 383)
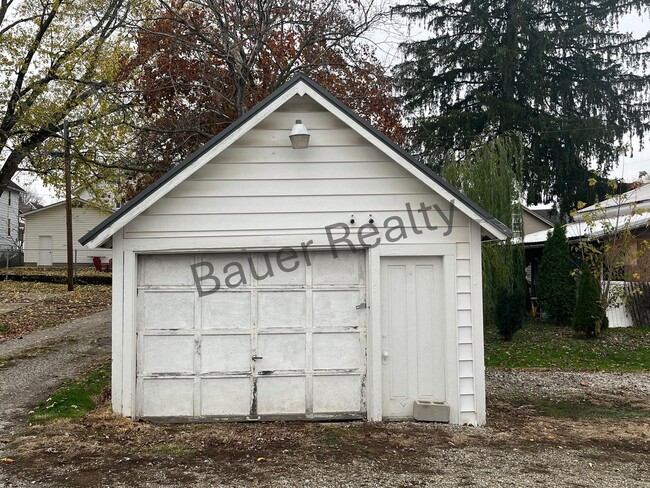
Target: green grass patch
point(542, 345)
point(585, 410)
point(74, 399)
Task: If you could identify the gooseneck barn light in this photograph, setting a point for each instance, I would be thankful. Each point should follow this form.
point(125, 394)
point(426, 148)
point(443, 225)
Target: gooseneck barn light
point(299, 136)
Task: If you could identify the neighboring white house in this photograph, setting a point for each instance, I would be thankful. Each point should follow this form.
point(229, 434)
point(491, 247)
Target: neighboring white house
point(45, 234)
point(9, 217)
point(636, 200)
point(236, 294)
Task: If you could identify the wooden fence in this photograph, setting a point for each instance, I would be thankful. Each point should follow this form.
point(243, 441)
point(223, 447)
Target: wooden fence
point(633, 306)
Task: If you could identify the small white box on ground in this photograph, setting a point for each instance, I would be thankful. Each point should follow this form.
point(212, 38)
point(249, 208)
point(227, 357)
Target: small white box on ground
point(424, 411)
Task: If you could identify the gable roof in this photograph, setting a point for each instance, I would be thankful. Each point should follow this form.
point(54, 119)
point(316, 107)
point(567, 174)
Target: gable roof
point(537, 215)
point(13, 186)
point(23, 208)
point(298, 85)
point(76, 202)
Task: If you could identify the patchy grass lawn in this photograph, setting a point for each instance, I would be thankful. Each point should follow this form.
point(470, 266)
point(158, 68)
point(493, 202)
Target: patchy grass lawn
point(540, 344)
point(47, 305)
point(577, 410)
point(75, 399)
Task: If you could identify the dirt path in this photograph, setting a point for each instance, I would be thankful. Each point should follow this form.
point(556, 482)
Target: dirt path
point(33, 366)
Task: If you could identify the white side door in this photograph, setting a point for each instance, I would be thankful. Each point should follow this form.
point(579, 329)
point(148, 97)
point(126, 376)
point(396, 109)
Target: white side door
point(413, 333)
point(44, 251)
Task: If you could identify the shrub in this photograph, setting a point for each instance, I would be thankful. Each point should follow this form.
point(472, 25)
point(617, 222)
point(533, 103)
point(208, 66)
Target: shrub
point(509, 311)
point(588, 314)
point(557, 288)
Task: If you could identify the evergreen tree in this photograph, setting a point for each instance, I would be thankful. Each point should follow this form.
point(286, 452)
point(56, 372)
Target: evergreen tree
point(557, 288)
point(509, 312)
point(588, 314)
point(558, 73)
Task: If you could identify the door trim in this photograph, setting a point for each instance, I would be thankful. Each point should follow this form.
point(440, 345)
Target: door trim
point(448, 254)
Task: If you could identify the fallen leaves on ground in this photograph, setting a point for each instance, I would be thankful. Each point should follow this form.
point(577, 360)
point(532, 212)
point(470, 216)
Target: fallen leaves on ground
point(53, 271)
point(48, 305)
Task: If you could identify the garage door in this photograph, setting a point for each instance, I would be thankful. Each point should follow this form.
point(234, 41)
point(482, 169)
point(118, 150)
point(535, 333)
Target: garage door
point(287, 345)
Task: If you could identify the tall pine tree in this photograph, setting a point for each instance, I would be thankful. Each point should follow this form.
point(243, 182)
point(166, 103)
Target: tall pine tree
point(557, 288)
point(556, 72)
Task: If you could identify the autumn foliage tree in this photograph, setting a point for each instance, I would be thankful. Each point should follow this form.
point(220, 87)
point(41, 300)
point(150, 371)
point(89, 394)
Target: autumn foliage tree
point(59, 59)
point(201, 64)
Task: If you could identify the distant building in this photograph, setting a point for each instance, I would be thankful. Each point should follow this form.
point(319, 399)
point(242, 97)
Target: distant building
point(9, 217)
point(631, 209)
point(45, 234)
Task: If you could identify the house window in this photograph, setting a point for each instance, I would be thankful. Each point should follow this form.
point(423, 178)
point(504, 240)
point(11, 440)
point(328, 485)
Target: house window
point(9, 227)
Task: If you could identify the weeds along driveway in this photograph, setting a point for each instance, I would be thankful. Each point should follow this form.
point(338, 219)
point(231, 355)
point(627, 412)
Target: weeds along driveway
point(32, 367)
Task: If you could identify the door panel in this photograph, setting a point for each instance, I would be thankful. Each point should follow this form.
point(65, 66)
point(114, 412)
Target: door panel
point(281, 395)
point(44, 251)
point(281, 352)
point(224, 397)
point(225, 353)
point(413, 333)
point(281, 309)
point(293, 345)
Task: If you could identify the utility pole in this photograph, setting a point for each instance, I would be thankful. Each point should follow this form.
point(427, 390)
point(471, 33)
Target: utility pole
point(68, 202)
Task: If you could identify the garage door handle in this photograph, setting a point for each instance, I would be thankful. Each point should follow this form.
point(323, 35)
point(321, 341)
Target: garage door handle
point(255, 358)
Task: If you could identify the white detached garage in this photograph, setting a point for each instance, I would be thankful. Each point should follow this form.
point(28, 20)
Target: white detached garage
point(256, 281)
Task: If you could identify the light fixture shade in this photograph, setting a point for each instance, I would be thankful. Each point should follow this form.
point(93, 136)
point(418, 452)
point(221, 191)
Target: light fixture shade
point(299, 136)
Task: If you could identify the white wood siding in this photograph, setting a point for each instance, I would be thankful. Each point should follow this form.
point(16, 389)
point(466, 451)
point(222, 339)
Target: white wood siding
point(9, 212)
point(261, 194)
point(260, 185)
point(51, 222)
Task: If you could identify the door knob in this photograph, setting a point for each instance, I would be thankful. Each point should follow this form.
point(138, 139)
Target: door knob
point(255, 358)
point(384, 356)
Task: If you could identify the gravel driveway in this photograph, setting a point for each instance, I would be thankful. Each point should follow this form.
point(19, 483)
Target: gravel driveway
point(33, 366)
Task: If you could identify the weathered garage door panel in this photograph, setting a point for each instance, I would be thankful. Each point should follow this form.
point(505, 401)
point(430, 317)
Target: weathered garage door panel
point(228, 310)
point(226, 396)
point(166, 397)
point(225, 353)
point(166, 310)
point(281, 309)
point(292, 345)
